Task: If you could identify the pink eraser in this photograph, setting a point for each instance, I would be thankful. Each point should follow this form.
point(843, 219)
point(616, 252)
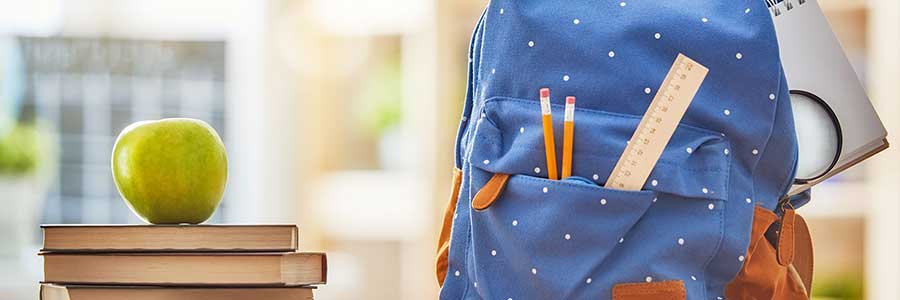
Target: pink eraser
point(570, 100)
point(545, 92)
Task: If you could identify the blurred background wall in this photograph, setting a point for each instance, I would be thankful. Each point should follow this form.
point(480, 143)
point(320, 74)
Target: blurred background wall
point(338, 115)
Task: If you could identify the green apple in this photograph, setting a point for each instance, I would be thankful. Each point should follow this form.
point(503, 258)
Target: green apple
point(170, 171)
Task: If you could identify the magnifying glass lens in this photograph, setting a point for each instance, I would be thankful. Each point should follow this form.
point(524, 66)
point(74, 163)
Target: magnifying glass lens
point(817, 137)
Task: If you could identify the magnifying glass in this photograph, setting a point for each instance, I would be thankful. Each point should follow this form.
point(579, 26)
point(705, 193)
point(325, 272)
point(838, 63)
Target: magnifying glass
point(819, 136)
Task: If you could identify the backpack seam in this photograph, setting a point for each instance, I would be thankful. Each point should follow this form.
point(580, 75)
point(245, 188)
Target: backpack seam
point(715, 135)
point(468, 163)
point(722, 222)
point(465, 157)
point(499, 99)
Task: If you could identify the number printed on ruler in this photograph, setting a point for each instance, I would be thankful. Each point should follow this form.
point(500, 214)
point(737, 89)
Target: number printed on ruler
point(658, 124)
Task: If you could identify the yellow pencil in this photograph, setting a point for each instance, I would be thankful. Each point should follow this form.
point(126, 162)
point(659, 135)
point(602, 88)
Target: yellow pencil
point(549, 145)
point(568, 137)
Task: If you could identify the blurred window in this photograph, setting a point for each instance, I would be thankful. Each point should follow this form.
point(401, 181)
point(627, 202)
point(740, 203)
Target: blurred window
point(92, 88)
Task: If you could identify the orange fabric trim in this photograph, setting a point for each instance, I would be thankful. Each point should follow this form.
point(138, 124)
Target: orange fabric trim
point(763, 277)
point(786, 238)
point(803, 253)
point(442, 263)
point(796, 279)
point(490, 192)
point(665, 290)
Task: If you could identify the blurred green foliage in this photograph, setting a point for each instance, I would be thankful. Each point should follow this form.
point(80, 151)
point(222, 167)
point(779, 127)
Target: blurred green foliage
point(20, 151)
point(381, 95)
point(844, 287)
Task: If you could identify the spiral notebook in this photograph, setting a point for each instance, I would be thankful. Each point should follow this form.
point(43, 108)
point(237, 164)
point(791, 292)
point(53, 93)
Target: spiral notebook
point(814, 61)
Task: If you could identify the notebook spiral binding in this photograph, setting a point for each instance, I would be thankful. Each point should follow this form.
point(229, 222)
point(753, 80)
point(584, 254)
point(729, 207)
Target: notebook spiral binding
point(788, 5)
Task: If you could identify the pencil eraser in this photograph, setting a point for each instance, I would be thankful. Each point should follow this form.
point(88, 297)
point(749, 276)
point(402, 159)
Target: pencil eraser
point(545, 92)
point(570, 100)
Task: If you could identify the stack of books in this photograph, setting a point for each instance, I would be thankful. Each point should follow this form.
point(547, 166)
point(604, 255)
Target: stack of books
point(175, 262)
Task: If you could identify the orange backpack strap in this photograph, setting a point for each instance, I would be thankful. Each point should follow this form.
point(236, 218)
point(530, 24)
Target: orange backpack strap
point(803, 252)
point(490, 192)
point(768, 272)
point(444, 240)
point(666, 290)
point(786, 237)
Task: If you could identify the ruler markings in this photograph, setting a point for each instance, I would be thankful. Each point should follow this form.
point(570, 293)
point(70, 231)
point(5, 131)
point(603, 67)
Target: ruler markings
point(658, 124)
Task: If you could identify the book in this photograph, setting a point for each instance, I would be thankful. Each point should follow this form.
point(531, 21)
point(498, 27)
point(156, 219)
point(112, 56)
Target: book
point(170, 238)
point(83, 292)
point(186, 269)
point(814, 62)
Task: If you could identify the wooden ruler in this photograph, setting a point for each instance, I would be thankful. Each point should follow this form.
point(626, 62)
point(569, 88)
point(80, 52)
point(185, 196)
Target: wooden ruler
point(658, 124)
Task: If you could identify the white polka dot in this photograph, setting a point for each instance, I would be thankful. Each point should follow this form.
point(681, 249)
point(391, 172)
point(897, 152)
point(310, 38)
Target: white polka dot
point(533, 271)
point(719, 298)
point(689, 150)
point(654, 182)
point(475, 284)
point(567, 236)
point(576, 21)
point(588, 281)
point(622, 4)
point(545, 189)
point(747, 11)
point(456, 273)
point(741, 258)
point(486, 161)
point(515, 222)
point(648, 279)
point(537, 170)
point(647, 91)
point(711, 206)
point(521, 129)
point(771, 96)
point(725, 151)
point(727, 112)
point(693, 278)
point(501, 11)
point(596, 177)
point(493, 252)
point(755, 151)
point(603, 201)
point(680, 241)
point(704, 20)
point(530, 43)
point(493, 71)
point(749, 200)
point(654, 200)
point(657, 36)
point(612, 54)
point(705, 191)
point(621, 240)
point(565, 77)
point(509, 298)
point(739, 55)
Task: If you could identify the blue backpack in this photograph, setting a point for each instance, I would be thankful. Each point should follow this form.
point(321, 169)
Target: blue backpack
point(711, 221)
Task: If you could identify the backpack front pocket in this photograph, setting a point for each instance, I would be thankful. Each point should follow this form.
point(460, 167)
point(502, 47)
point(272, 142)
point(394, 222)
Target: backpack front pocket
point(535, 238)
point(543, 233)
